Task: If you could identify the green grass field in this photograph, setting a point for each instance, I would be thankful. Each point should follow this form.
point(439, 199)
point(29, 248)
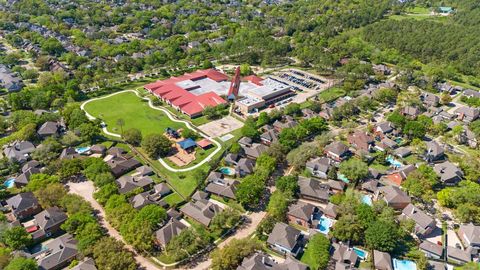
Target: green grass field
point(135, 112)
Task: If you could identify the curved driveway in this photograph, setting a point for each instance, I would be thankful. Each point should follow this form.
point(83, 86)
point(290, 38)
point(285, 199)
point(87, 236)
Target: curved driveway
point(171, 117)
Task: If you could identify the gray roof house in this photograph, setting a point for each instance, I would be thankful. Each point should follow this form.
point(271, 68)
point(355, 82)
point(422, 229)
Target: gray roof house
point(411, 112)
point(9, 80)
point(145, 198)
point(458, 255)
point(402, 152)
point(319, 167)
point(382, 260)
point(48, 223)
point(19, 151)
point(128, 183)
point(231, 159)
point(24, 205)
point(431, 250)
point(144, 171)
point(244, 166)
point(449, 173)
point(58, 253)
point(49, 128)
point(23, 179)
point(301, 213)
point(269, 136)
point(202, 211)
point(337, 151)
point(167, 232)
point(314, 190)
point(471, 93)
point(344, 254)
point(470, 235)
point(221, 186)
point(254, 150)
point(384, 128)
point(285, 239)
point(424, 224)
point(434, 151)
point(331, 210)
point(261, 261)
point(467, 114)
point(430, 99)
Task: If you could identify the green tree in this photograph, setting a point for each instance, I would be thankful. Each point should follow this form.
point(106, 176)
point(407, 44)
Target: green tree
point(225, 220)
point(4, 256)
point(154, 214)
point(420, 182)
point(231, 256)
point(317, 253)
point(245, 69)
point(110, 254)
point(293, 109)
point(188, 133)
point(51, 195)
point(414, 129)
point(249, 128)
point(263, 119)
point(397, 119)
point(16, 238)
point(105, 192)
point(156, 145)
point(20, 263)
point(382, 235)
point(354, 169)
point(250, 190)
point(41, 180)
point(287, 184)
point(278, 205)
point(348, 227)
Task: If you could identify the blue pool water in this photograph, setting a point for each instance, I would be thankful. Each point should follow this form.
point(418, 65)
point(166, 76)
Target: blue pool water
point(398, 140)
point(362, 254)
point(324, 224)
point(9, 183)
point(394, 162)
point(227, 171)
point(404, 265)
point(82, 150)
point(343, 178)
point(367, 199)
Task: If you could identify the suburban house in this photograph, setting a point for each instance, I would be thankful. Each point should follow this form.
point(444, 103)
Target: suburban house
point(58, 253)
point(119, 162)
point(470, 235)
point(24, 205)
point(344, 255)
point(319, 167)
point(314, 190)
point(10, 80)
point(402, 152)
point(393, 196)
point(287, 122)
point(370, 185)
point(31, 167)
point(231, 159)
point(98, 149)
point(244, 167)
point(269, 136)
point(301, 214)
point(261, 261)
point(337, 151)
point(424, 224)
point(221, 186)
point(19, 151)
point(47, 223)
point(382, 129)
point(449, 173)
point(69, 153)
point(467, 137)
point(336, 186)
point(467, 114)
point(86, 264)
point(254, 150)
point(411, 112)
point(361, 141)
point(434, 151)
point(202, 211)
point(168, 231)
point(431, 250)
point(469, 93)
point(382, 260)
point(430, 100)
point(285, 239)
point(153, 196)
point(129, 183)
point(398, 176)
point(49, 128)
point(458, 255)
point(331, 210)
point(386, 144)
point(143, 171)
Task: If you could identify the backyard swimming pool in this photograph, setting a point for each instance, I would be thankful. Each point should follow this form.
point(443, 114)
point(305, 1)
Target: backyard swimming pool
point(404, 265)
point(324, 224)
point(367, 199)
point(362, 254)
point(9, 183)
point(343, 178)
point(394, 162)
point(227, 171)
point(82, 150)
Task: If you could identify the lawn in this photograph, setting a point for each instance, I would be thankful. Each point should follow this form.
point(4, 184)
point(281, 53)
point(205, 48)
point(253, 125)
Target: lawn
point(331, 94)
point(310, 258)
point(135, 113)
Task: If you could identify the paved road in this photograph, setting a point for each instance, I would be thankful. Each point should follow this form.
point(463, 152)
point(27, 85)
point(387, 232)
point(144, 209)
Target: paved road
point(86, 190)
point(171, 117)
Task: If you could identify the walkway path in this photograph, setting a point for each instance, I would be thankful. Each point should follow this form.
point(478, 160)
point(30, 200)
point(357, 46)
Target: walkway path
point(172, 118)
point(86, 190)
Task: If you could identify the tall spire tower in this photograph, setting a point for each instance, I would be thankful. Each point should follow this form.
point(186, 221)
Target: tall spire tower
point(234, 86)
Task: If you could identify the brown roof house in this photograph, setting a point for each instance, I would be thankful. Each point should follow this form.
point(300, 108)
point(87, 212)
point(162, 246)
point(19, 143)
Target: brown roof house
point(254, 150)
point(394, 197)
point(314, 190)
point(269, 136)
point(383, 129)
point(202, 211)
point(337, 151)
point(361, 140)
point(120, 162)
point(167, 232)
point(344, 254)
point(431, 250)
point(458, 255)
point(58, 253)
point(47, 223)
point(30, 168)
point(49, 128)
point(382, 260)
point(244, 167)
point(434, 151)
point(319, 167)
point(19, 151)
point(86, 264)
point(424, 224)
point(449, 173)
point(287, 122)
point(301, 214)
point(467, 114)
point(261, 261)
point(24, 205)
point(221, 186)
point(411, 112)
point(285, 239)
point(129, 183)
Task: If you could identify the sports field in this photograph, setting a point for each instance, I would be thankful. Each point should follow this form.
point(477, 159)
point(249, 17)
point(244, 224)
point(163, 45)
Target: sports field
point(134, 111)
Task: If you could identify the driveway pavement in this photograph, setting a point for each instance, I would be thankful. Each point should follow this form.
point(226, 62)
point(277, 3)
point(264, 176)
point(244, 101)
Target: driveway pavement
point(86, 190)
